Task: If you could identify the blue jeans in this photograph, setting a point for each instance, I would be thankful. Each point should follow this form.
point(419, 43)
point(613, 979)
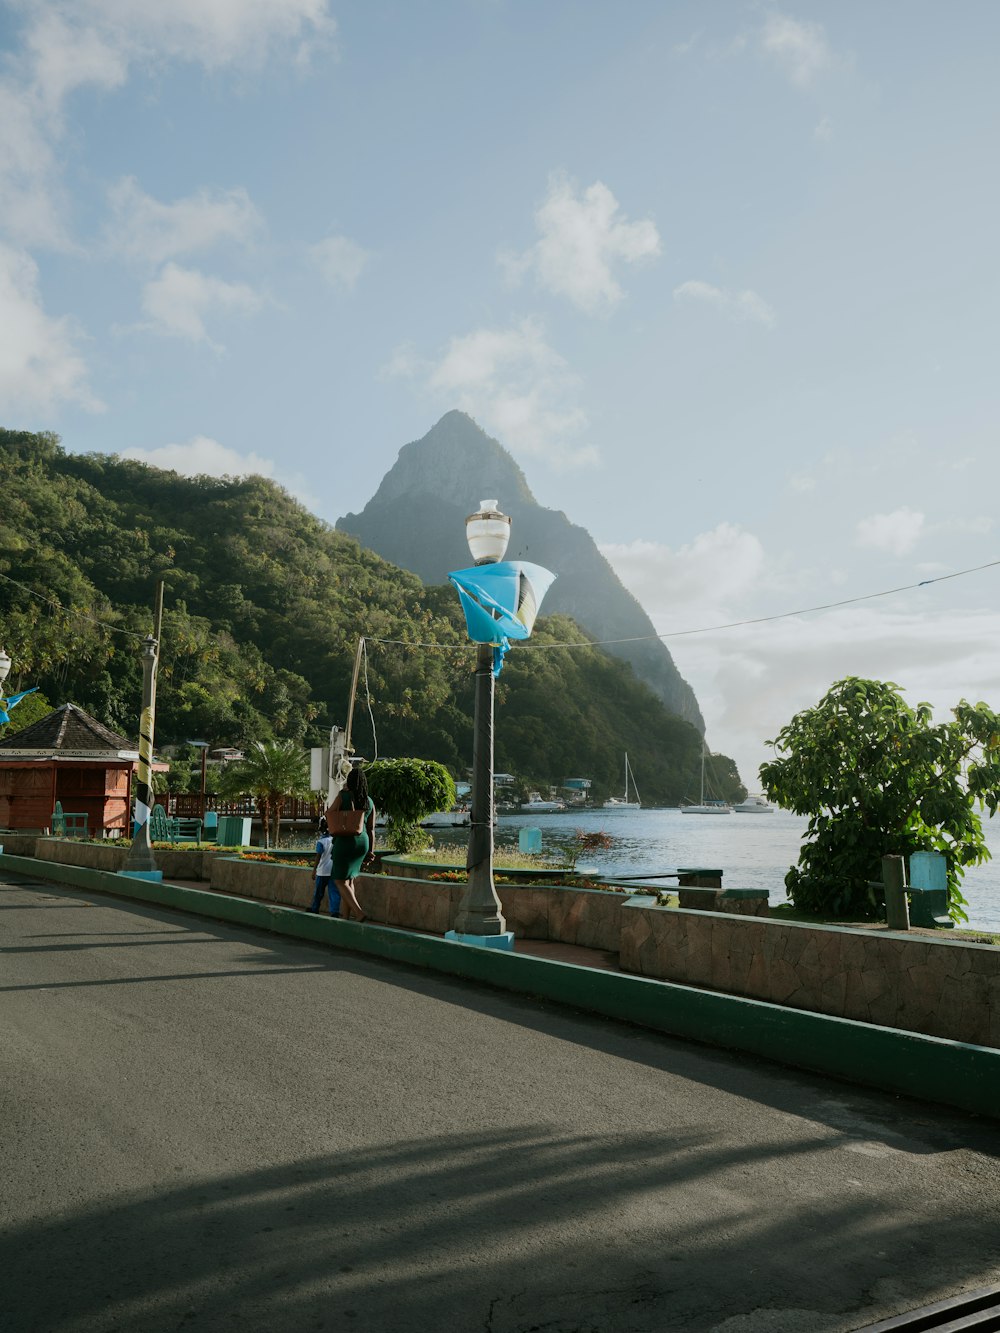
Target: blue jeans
point(324, 884)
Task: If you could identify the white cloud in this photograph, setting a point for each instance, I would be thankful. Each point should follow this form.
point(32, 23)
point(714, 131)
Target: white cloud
point(209, 32)
point(897, 532)
point(751, 679)
point(32, 206)
point(65, 55)
point(70, 44)
point(800, 48)
point(340, 260)
point(824, 130)
point(513, 382)
point(701, 578)
point(581, 238)
point(179, 299)
point(146, 229)
point(742, 307)
point(203, 456)
point(40, 364)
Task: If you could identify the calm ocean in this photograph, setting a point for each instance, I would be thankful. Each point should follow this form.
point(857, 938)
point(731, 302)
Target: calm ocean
point(753, 850)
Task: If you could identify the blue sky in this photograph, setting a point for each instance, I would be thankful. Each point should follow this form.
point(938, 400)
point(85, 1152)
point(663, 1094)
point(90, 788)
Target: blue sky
point(723, 278)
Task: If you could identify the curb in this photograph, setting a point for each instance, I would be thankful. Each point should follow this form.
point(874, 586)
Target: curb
point(906, 1063)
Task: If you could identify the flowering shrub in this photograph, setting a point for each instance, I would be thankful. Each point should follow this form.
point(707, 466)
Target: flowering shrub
point(274, 860)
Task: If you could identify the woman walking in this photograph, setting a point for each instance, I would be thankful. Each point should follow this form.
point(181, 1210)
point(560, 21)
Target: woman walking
point(352, 851)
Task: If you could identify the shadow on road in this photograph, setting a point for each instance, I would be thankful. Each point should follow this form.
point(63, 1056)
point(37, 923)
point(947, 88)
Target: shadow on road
point(455, 1233)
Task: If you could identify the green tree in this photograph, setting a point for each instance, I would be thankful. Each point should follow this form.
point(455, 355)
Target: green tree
point(272, 772)
point(877, 778)
point(408, 790)
point(31, 709)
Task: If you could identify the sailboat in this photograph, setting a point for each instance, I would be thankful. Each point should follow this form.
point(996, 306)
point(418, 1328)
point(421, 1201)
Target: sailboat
point(623, 802)
point(706, 807)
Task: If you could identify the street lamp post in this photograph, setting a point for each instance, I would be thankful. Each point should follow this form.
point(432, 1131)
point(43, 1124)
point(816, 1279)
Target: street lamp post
point(480, 918)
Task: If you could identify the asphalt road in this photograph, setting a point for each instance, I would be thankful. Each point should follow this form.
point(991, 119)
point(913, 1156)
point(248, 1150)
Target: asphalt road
point(209, 1128)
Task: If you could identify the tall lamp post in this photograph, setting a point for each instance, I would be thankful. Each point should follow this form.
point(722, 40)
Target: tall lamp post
point(480, 918)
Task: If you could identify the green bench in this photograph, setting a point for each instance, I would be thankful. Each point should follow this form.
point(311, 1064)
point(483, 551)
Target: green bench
point(67, 824)
point(163, 828)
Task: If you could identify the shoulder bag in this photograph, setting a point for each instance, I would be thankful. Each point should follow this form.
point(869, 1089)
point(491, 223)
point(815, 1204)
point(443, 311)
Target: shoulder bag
point(345, 823)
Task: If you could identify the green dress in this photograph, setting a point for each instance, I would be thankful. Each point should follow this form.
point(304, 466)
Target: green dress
point(349, 851)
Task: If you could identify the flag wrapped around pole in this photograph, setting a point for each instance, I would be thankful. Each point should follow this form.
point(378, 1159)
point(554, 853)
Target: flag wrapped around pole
point(501, 602)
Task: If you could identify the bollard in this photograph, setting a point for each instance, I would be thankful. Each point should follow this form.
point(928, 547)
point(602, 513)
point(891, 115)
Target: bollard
point(897, 915)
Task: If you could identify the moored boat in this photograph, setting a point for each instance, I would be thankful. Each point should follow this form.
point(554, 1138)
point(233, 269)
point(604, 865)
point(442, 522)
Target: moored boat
point(623, 802)
point(754, 805)
point(535, 805)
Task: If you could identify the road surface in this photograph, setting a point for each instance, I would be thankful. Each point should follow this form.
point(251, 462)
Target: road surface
point(210, 1128)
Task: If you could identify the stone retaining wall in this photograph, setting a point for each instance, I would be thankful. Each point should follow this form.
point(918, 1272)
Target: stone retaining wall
point(941, 987)
point(188, 863)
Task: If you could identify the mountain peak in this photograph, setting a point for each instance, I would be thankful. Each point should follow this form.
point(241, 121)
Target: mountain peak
point(455, 461)
point(417, 516)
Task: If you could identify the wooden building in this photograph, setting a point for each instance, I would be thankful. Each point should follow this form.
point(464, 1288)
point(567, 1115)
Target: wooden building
point(69, 757)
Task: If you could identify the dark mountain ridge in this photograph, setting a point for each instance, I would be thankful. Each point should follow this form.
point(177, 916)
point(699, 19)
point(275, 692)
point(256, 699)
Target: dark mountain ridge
point(416, 519)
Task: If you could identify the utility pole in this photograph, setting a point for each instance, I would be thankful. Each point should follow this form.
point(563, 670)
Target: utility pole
point(140, 859)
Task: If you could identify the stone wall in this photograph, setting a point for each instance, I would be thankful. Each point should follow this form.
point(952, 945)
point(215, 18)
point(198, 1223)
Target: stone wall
point(267, 881)
point(186, 864)
point(945, 988)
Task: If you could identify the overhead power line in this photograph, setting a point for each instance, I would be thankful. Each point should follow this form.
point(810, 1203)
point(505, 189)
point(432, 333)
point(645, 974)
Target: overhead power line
point(712, 629)
point(72, 610)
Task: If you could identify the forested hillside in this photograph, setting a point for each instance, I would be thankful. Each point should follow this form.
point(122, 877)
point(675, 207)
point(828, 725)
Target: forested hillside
point(263, 610)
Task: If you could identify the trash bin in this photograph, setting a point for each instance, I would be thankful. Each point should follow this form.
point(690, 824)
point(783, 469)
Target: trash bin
point(928, 890)
point(529, 840)
point(234, 831)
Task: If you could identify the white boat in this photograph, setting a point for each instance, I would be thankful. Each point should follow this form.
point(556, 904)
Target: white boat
point(535, 805)
point(459, 816)
point(706, 807)
point(754, 805)
point(623, 802)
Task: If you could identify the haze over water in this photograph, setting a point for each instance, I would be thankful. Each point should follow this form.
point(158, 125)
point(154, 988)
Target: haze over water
point(753, 851)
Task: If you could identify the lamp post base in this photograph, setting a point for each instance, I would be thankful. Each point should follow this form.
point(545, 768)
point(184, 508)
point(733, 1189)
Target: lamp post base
point(503, 941)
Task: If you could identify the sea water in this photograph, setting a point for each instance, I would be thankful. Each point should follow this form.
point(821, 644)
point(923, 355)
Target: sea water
point(753, 851)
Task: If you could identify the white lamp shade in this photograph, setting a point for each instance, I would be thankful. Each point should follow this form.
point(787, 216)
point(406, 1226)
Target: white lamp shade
point(487, 532)
point(5, 664)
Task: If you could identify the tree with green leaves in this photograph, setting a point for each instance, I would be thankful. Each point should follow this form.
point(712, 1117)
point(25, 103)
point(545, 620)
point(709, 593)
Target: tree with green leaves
point(879, 778)
point(408, 790)
point(271, 772)
point(32, 708)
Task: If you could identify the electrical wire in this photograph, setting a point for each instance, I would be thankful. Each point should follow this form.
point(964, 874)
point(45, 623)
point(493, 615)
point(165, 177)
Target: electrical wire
point(712, 629)
point(72, 611)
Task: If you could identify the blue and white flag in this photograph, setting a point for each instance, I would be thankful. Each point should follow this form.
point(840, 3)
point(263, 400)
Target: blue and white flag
point(501, 602)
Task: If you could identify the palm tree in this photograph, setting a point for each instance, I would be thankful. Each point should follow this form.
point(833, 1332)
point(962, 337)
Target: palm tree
point(271, 772)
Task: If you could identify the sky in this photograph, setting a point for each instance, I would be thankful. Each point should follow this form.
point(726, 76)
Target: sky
point(722, 277)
